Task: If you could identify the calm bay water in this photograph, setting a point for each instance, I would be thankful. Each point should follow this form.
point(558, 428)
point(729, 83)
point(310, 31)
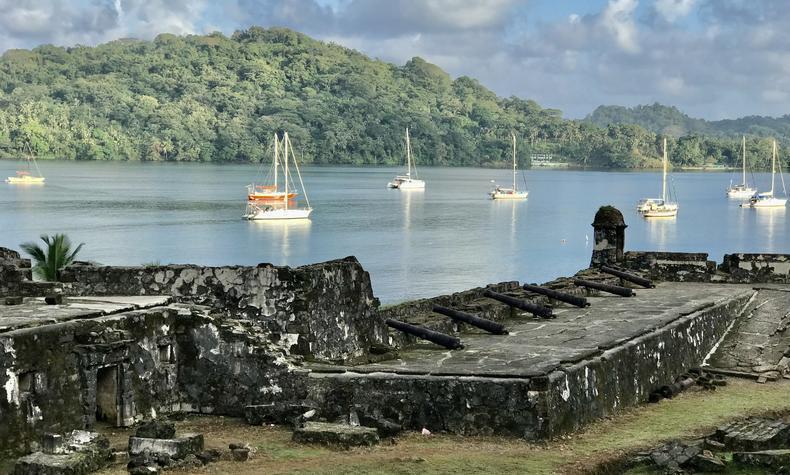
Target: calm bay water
point(414, 244)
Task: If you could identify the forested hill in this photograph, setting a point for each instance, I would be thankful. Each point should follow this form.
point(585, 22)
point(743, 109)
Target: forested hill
point(218, 98)
point(669, 120)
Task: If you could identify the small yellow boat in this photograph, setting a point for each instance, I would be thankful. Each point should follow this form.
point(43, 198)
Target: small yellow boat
point(25, 178)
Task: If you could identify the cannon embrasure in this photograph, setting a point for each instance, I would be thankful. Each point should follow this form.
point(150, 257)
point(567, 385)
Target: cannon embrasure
point(557, 295)
point(439, 338)
point(479, 322)
point(612, 289)
point(538, 310)
point(646, 283)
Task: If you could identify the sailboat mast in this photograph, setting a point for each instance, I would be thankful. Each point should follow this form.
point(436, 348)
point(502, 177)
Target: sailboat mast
point(664, 180)
point(744, 161)
point(773, 168)
point(285, 172)
point(408, 154)
point(276, 140)
point(514, 162)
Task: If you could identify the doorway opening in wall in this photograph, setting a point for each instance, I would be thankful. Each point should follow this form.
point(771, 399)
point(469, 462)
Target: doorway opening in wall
point(107, 395)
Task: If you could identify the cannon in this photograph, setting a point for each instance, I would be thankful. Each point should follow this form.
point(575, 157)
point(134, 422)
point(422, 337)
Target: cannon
point(641, 281)
point(612, 289)
point(474, 320)
point(538, 310)
point(557, 295)
point(439, 338)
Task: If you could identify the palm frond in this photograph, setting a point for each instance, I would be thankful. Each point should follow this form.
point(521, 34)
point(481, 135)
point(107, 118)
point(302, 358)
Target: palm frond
point(56, 255)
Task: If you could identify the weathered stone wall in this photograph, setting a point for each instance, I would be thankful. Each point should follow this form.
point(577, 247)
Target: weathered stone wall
point(328, 308)
point(13, 271)
point(672, 266)
point(739, 268)
point(757, 268)
point(626, 374)
point(49, 373)
point(225, 367)
point(460, 405)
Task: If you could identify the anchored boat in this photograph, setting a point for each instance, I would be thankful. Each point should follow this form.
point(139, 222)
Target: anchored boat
point(406, 182)
point(499, 193)
point(741, 190)
point(26, 177)
point(659, 207)
point(767, 198)
point(260, 211)
point(270, 192)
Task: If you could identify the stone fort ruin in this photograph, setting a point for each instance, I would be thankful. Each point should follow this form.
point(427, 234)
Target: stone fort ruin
point(127, 344)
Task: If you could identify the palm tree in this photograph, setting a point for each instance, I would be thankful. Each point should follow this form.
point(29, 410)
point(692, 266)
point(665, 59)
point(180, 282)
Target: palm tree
point(50, 261)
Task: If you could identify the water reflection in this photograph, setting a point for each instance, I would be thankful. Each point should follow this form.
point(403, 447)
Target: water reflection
point(767, 220)
point(283, 233)
point(661, 231)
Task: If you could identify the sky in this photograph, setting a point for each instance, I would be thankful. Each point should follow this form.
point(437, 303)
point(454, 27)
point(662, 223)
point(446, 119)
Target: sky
point(713, 59)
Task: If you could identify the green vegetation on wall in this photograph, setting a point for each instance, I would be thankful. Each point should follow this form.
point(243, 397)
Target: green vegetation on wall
point(214, 98)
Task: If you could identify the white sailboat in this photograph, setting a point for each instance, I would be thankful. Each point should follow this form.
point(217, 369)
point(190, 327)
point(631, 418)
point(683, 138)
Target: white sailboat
point(257, 211)
point(659, 207)
point(767, 199)
point(741, 190)
point(406, 182)
point(26, 177)
point(499, 193)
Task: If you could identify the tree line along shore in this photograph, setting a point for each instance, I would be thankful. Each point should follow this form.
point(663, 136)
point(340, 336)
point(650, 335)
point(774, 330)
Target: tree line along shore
point(214, 98)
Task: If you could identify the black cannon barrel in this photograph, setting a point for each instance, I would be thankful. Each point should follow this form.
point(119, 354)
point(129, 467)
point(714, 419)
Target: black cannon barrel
point(439, 338)
point(557, 295)
point(647, 283)
point(535, 309)
point(612, 289)
point(474, 320)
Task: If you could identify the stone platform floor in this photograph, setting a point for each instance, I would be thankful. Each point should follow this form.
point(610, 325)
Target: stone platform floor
point(34, 312)
point(535, 346)
point(760, 341)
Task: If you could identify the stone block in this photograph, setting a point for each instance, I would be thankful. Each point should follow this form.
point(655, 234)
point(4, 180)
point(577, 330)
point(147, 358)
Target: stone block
point(156, 430)
point(13, 300)
point(706, 462)
point(340, 435)
point(79, 452)
point(754, 434)
point(240, 454)
point(177, 448)
point(273, 413)
point(766, 458)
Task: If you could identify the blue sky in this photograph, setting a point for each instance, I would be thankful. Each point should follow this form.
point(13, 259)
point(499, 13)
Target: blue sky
point(711, 58)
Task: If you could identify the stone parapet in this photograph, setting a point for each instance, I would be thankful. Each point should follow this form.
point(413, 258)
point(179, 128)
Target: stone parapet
point(327, 309)
point(757, 268)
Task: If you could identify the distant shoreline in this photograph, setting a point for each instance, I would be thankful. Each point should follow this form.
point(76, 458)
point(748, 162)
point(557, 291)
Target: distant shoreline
point(568, 167)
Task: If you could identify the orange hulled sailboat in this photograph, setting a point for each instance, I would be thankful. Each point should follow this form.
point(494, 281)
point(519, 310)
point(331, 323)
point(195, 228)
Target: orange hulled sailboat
point(270, 192)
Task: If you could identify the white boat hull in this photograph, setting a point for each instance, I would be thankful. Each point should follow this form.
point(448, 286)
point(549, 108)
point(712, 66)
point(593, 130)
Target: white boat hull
point(27, 180)
point(278, 214)
point(407, 184)
point(513, 195)
point(660, 213)
point(766, 203)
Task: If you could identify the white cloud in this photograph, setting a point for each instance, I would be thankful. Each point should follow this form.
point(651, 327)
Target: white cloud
point(618, 19)
point(673, 10)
